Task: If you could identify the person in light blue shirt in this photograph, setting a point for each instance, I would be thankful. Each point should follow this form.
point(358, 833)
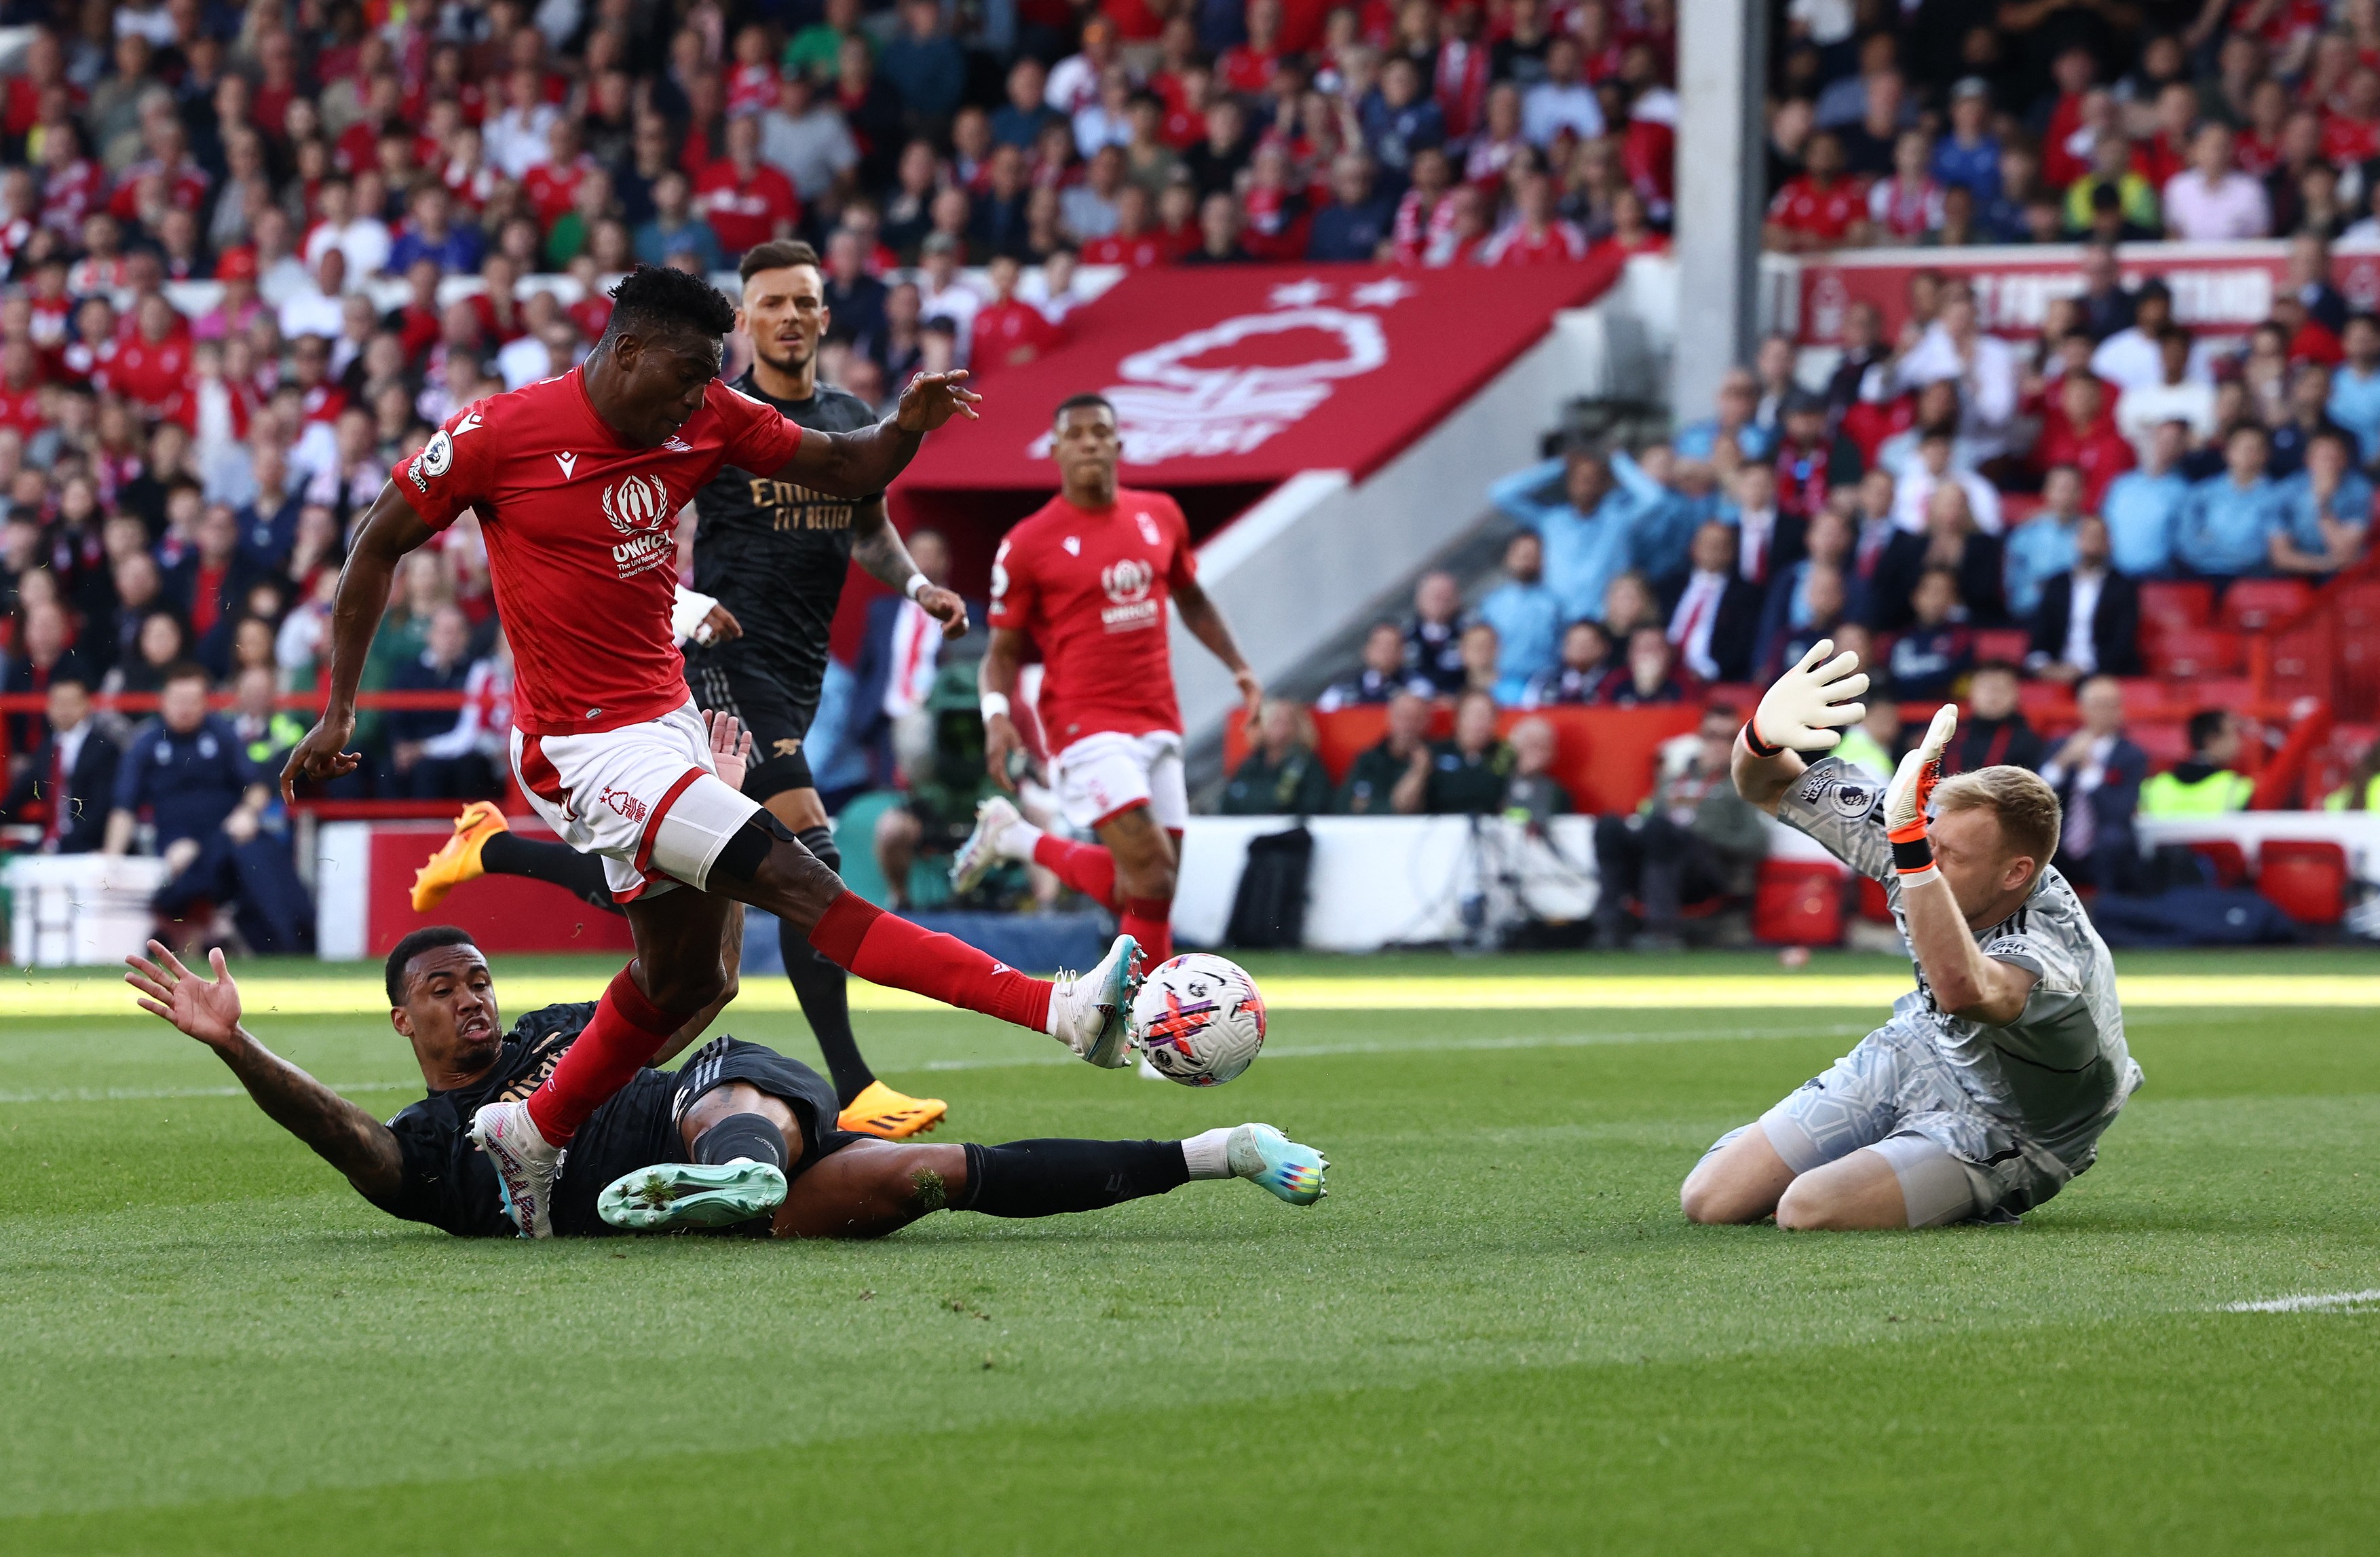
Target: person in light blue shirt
point(2043, 547)
point(1526, 616)
point(1594, 530)
point(1738, 406)
point(2224, 528)
point(2355, 387)
point(2142, 506)
point(2325, 510)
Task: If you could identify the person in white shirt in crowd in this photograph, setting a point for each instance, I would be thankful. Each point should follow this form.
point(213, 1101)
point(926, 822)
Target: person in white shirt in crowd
point(807, 140)
point(362, 237)
point(516, 140)
point(943, 292)
point(2131, 356)
point(2175, 396)
point(2211, 201)
point(1938, 406)
point(1562, 101)
point(1955, 346)
point(318, 310)
point(1077, 81)
point(527, 358)
point(1106, 119)
point(279, 273)
point(1932, 468)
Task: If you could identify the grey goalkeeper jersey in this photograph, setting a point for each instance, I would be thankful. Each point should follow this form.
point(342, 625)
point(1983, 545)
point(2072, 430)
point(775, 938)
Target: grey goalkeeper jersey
point(2060, 1071)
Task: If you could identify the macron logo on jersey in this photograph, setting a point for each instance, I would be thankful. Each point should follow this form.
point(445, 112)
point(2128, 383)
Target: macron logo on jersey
point(569, 462)
point(1073, 547)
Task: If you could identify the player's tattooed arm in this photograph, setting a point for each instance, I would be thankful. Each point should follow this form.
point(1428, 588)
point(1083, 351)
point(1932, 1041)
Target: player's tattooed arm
point(1205, 620)
point(391, 528)
point(862, 463)
point(340, 1133)
point(878, 547)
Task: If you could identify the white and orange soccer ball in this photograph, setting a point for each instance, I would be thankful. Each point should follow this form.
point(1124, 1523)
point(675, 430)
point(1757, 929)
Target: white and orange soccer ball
point(1198, 1019)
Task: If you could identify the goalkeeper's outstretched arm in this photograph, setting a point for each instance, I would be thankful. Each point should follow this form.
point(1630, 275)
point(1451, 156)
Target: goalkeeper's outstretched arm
point(1806, 711)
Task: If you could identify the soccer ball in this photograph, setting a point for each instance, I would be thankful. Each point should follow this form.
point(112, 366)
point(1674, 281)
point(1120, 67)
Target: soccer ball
point(1198, 1019)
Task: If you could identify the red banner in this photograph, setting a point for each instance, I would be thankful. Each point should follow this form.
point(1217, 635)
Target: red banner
point(1248, 374)
point(2226, 288)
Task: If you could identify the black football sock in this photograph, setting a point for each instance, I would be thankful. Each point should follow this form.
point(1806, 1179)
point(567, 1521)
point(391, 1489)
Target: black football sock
point(823, 988)
point(741, 1135)
point(1050, 1177)
point(581, 875)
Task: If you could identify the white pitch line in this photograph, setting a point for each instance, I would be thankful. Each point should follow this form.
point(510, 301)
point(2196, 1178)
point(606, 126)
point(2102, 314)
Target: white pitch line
point(2309, 1303)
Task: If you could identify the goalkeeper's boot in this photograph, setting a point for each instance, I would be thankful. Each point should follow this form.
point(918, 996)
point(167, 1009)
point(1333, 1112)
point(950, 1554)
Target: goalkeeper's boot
point(1092, 1014)
point(981, 853)
point(526, 1165)
point(881, 1112)
point(1290, 1171)
point(671, 1194)
point(457, 859)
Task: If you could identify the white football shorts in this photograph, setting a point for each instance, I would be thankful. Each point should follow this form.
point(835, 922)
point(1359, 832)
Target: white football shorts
point(1103, 775)
point(645, 797)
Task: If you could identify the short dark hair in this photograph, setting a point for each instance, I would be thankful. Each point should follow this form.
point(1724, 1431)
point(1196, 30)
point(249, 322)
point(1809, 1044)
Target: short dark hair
point(656, 297)
point(183, 670)
point(429, 938)
point(1080, 402)
point(1995, 668)
point(775, 255)
point(2205, 725)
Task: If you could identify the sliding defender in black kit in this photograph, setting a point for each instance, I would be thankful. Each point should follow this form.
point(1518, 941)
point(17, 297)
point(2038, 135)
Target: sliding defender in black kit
point(769, 558)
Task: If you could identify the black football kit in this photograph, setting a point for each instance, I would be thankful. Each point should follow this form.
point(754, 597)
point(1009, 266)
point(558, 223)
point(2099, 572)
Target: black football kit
point(775, 553)
point(450, 1184)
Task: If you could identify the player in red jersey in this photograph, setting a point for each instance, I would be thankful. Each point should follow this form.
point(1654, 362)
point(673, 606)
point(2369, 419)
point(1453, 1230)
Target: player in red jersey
point(578, 482)
point(1086, 579)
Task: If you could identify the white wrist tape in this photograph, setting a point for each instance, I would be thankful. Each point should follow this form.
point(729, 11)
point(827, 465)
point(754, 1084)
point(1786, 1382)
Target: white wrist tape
point(687, 611)
point(995, 705)
point(918, 584)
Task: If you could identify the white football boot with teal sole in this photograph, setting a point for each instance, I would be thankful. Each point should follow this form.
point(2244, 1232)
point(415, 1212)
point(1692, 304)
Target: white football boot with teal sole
point(671, 1194)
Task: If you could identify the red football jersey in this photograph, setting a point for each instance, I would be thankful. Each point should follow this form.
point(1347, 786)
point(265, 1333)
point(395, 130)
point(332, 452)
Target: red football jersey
point(1090, 589)
point(580, 530)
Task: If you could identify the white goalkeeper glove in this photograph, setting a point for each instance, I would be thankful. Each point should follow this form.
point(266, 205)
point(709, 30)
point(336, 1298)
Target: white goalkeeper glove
point(1810, 704)
point(1905, 798)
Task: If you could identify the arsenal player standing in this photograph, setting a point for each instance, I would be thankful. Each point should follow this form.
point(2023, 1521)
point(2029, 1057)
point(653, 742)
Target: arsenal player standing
point(1087, 578)
point(578, 481)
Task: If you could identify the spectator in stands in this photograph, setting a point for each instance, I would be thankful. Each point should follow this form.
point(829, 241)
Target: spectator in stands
point(1385, 675)
point(1821, 602)
point(675, 227)
point(2213, 200)
point(1766, 542)
point(1525, 614)
point(2362, 790)
point(1586, 664)
point(1282, 774)
point(2305, 417)
point(1693, 839)
point(1872, 744)
point(2043, 546)
point(1611, 512)
point(2143, 506)
point(1824, 208)
point(946, 780)
point(2178, 395)
point(1463, 775)
point(2131, 355)
point(1950, 540)
point(2082, 432)
point(1994, 729)
point(1373, 777)
point(1352, 226)
point(2089, 620)
point(2202, 784)
point(1812, 459)
point(1651, 676)
point(45, 653)
point(1956, 346)
point(1937, 464)
point(1930, 659)
point(2097, 772)
point(2325, 511)
point(1738, 403)
point(2224, 529)
point(1480, 652)
point(2355, 387)
point(442, 665)
point(71, 777)
point(1434, 638)
point(1715, 620)
point(1968, 154)
point(187, 770)
point(1532, 794)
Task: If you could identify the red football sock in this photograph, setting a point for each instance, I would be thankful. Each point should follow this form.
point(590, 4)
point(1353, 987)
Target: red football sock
point(1088, 867)
point(1150, 921)
point(886, 949)
point(628, 1030)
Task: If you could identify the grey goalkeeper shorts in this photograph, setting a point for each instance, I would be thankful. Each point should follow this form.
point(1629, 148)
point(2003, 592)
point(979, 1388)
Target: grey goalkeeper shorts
point(1894, 1091)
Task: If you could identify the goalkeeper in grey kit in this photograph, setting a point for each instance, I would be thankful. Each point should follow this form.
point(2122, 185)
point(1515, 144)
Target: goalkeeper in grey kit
point(1990, 1086)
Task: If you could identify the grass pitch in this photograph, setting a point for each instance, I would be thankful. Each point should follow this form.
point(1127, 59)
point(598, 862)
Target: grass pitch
point(1496, 1334)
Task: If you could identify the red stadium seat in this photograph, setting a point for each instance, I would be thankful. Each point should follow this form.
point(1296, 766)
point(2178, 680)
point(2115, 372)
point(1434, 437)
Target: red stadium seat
point(1874, 906)
point(2146, 697)
point(2188, 653)
point(2005, 644)
point(1798, 903)
point(2255, 605)
point(2046, 703)
point(2225, 858)
point(2164, 741)
point(2166, 605)
point(2304, 877)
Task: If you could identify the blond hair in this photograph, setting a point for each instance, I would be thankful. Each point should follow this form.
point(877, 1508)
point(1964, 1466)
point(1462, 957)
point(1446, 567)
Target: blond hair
point(2026, 806)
